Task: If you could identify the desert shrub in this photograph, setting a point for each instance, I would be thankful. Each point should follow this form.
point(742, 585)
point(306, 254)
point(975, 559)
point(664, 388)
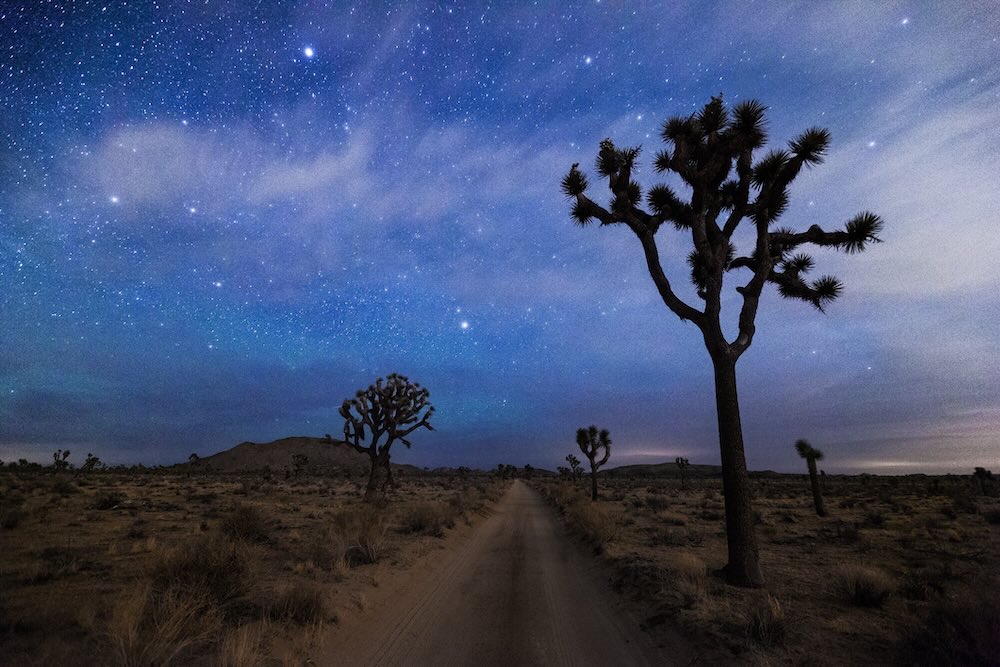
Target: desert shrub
point(862, 586)
point(364, 531)
point(874, 519)
point(108, 500)
point(657, 503)
point(245, 522)
point(965, 631)
point(64, 487)
point(11, 516)
point(209, 566)
point(672, 518)
point(150, 627)
point(992, 515)
point(593, 522)
point(241, 647)
point(688, 573)
point(300, 603)
point(847, 533)
point(766, 624)
point(428, 519)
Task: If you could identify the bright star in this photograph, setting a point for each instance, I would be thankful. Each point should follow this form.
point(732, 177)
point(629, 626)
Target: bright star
point(465, 325)
point(905, 21)
point(588, 60)
point(114, 199)
point(871, 144)
point(308, 52)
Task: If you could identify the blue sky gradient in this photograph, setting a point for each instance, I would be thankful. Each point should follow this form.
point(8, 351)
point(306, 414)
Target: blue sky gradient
point(219, 220)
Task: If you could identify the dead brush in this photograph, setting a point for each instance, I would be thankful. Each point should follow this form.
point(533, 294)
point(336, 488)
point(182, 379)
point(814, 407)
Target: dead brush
point(161, 628)
point(766, 624)
point(245, 522)
point(301, 603)
point(430, 518)
point(365, 531)
point(594, 523)
point(862, 586)
point(689, 574)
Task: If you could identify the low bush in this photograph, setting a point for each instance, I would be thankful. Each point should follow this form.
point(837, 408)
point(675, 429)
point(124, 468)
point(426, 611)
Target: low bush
point(766, 624)
point(964, 631)
point(245, 522)
point(301, 603)
point(862, 586)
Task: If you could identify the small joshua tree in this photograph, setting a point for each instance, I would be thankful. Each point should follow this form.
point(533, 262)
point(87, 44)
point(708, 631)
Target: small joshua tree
point(811, 455)
point(529, 471)
point(592, 442)
point(983, 479)
point(378, 416)
point(59, 461)
point(574, 466)
point(91, 463)
point(682, 464)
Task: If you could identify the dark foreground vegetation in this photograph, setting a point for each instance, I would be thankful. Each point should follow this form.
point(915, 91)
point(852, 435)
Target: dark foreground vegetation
point(902, 570)
point(155, 567)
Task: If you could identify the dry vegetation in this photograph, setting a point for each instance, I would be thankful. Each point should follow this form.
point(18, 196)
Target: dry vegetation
point(159, 569)
point(902, 571)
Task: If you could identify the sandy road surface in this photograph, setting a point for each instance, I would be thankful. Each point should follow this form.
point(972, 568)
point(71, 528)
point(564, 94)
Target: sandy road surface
point(516, 592)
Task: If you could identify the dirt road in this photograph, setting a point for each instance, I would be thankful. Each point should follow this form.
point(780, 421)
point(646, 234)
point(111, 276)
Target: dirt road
point(517, 591)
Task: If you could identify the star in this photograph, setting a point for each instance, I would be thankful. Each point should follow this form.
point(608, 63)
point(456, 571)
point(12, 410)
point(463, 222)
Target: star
point(464, 325)
point(309, 52)
point(114, 199)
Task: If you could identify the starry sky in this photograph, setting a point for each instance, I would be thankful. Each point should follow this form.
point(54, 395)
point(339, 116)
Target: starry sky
point(218, 219)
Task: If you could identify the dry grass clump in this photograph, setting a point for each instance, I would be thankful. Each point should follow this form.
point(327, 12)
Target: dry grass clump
point(594, 522)
point(862, 586)
point(964, 631)
point(247, 523)
point(150, 627)
point(242, 647)
point(301, 603)
point(365, 532)
point(766, 624)
point(430, 518)
point(689, 574)
point(11, 515)
point(208, 566)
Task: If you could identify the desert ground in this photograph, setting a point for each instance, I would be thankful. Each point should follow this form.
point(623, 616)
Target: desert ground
point(196, 568)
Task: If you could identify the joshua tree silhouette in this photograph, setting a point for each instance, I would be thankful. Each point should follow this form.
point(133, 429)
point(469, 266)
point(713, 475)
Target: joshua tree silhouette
point(712, 153)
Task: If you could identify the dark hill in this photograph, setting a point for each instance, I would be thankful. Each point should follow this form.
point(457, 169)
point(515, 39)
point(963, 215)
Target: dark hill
point(325, 456)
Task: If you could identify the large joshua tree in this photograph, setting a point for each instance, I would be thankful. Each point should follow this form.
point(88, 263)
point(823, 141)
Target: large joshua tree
point(592, 443)
point(725, 185)
point(378, 416)
point(811, 455)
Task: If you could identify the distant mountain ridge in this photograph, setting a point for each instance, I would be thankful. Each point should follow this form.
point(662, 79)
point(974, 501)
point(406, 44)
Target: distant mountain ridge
point(326, 456)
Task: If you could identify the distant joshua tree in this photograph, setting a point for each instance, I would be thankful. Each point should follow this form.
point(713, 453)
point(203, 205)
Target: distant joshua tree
point(811, 455)
point(574, 466)
point(984, 480)
point(91, 463)
point(59, 461)
point(592, 442)
point(682, 466)
point(712, 153)
point(378, 416)
point(194, 459)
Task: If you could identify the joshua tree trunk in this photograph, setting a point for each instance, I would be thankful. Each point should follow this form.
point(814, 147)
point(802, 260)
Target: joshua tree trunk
point(593, 481)
point(817, 493)
point(743, 568)
point(375, 479)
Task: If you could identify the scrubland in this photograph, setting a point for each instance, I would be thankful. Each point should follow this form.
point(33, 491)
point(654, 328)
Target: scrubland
point(154, 568)
point(901, 571)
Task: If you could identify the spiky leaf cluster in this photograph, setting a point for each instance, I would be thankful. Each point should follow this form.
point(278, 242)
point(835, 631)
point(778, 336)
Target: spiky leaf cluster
point(592, 442)
point(807, 451)
point(713, 152)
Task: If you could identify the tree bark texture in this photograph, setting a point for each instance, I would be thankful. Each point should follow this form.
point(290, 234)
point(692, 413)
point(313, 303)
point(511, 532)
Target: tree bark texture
point(817, 493)
point(743, 568)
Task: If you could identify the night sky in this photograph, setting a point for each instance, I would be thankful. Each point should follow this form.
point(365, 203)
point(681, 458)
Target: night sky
point(219, 219)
